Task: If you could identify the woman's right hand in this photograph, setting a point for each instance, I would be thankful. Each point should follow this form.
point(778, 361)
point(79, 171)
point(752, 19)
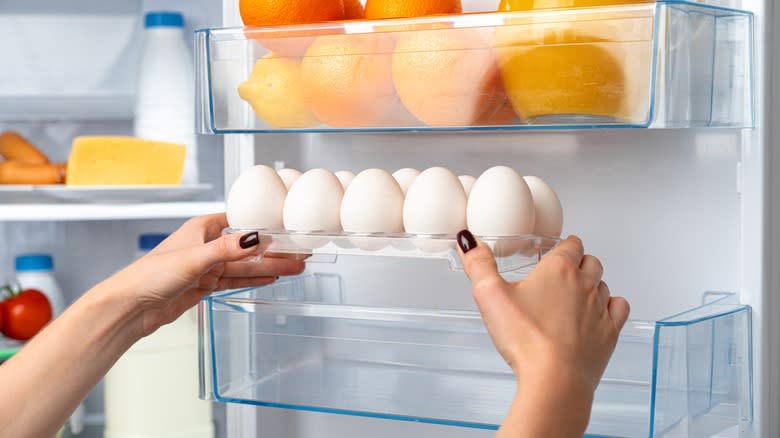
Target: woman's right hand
point(557, 328)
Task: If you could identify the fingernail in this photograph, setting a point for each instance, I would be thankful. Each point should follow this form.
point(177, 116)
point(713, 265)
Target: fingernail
point(466, 241)
point(249, 240)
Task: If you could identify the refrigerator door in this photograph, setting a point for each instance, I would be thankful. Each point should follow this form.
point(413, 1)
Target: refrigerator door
point(671, 213)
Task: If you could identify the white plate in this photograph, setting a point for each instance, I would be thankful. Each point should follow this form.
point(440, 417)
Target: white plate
point(122, 194)
point(18, 194)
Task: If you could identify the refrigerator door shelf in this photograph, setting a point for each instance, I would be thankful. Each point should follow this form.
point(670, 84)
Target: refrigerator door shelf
point(665, 64)
point(299, 344)
point(513, 253)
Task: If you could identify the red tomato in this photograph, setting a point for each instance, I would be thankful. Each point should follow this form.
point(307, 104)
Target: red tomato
point(25, 314)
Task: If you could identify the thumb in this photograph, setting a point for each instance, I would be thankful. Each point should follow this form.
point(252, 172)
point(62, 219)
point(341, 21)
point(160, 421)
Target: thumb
point(618, 309)
point(226, 248)
point(477, 258)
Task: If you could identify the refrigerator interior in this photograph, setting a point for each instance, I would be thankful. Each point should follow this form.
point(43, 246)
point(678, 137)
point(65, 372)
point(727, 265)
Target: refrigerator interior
point(72, 71)
point(671, 213)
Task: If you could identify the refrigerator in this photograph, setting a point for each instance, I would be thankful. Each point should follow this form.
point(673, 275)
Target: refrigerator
point(676, 196)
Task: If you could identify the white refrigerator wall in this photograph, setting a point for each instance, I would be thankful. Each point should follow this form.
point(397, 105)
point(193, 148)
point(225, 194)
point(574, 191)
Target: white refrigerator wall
point(660, 208)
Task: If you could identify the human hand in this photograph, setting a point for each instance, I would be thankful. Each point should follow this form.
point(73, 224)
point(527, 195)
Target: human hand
point(558, 323)
point(192, 262)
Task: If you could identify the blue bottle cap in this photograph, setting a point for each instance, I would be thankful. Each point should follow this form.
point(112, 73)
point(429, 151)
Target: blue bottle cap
point(147, 242)
point(163, 19)
point(34, 262)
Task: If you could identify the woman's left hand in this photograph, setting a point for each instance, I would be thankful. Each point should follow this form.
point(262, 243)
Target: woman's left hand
point(192, 262)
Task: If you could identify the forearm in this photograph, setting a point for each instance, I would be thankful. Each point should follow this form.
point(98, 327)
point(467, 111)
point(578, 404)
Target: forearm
point(48, 378)
point(553, 407)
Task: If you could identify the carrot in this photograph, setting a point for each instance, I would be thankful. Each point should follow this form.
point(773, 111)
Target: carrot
point(14, 172)
point(14, 147)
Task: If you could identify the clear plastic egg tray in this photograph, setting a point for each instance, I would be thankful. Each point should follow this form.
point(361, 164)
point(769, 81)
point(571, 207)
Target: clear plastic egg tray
point(513, 253)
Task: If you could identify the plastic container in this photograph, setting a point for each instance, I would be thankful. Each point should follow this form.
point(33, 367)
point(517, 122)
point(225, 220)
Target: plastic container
point(36, 271)
point(304, 344)
point(151, 392)
point(164, 108)
point(645, 64)
point(513, 253)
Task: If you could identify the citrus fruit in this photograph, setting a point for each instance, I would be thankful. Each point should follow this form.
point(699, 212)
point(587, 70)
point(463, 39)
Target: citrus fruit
point(410, 8)
point(353, 10)
point(288, 42)
point(446, 77)
point(563, 80)
point(347, 81)
point(276, 12)
point(274, 91)
point(591, 68)
point(499, 109)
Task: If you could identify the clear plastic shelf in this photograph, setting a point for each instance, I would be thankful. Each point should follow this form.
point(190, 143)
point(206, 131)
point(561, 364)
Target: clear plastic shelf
point(301, 344)
point(665, 64)
point(514, 253)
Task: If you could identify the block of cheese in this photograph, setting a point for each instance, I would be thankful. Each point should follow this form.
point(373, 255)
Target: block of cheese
point(124, 161)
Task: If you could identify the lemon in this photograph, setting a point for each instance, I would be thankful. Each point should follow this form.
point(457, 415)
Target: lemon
point(274, 91)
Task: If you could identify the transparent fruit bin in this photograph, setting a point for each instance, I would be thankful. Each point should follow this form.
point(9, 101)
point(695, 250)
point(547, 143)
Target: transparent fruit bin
point(513, 253)
point(300, 344)
point(650, 64)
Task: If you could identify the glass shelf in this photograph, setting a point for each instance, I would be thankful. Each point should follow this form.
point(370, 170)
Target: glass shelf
point(301, 344)
point(513, 253)
point(665, 64)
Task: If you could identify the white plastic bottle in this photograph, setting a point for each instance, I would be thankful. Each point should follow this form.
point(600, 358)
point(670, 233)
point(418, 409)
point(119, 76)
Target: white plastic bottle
point(165, 104)
point(36, 271)
point(152, 390)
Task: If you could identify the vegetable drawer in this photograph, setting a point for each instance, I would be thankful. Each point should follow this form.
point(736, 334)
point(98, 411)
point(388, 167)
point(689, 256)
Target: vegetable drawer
point(648, 64)
point(300, 344)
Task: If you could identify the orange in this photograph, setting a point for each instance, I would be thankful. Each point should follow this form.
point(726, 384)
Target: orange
point(585, 69)
point(499, 110)
point(285, 12)
point(449, 77)
point(274, 89)
point(276, 12)
point(347, 81)
point(410, 8)
point(353, 10)
point(290, 42)
point(564, 80)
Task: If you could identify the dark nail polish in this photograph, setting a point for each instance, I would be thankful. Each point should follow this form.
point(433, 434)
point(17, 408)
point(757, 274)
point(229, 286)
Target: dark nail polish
point(466, 241)
point(249, 240)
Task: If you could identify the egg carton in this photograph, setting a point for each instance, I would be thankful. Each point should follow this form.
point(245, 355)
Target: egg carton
point(512, 253)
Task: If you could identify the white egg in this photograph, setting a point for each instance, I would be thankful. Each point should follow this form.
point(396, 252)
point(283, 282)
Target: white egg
point(373, 203)
point(313, 203)
point(435, 205)
point(548, 219)
point(288, 176)
point(256, 199)
point(500, 204)
point(468, 182)
point(405, 177)
point(346, 177)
